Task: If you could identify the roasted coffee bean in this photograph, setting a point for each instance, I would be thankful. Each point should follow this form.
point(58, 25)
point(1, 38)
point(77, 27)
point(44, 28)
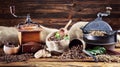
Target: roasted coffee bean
point(16, 58)
point(108, 58)
point(97, 33)
point(74, 53)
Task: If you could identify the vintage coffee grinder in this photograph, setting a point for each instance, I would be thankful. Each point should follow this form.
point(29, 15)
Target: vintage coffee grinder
point(98, 26)
point(28, 33)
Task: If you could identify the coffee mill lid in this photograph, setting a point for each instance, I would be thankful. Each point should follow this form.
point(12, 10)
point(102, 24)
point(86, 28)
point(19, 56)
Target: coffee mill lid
point(98, 24)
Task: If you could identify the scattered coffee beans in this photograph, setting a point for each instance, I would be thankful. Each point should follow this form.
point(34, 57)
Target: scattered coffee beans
point(74, 53)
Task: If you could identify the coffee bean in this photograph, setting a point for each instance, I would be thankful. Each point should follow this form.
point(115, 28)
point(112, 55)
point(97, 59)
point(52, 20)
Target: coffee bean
point(108, 58)
point(74, 53)
point(16, 58)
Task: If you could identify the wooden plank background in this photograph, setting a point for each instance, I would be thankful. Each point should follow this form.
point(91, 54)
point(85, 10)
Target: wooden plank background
point(55, 13)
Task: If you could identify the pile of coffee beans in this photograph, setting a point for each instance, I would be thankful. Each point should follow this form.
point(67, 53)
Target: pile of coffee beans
point(108, 58)
point(16, 58)
point(98, 33)
point(74, 53)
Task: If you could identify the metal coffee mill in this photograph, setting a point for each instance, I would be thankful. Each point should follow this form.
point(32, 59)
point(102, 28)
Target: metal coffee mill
point(28, 32)
point(105, 35)
point(109, 37)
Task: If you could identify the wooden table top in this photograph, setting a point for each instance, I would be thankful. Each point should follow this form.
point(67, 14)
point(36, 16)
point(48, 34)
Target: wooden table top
point(60, 64)
point(46, 62)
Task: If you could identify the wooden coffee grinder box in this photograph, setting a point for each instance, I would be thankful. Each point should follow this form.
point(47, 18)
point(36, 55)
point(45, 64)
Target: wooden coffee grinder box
point(29, 36)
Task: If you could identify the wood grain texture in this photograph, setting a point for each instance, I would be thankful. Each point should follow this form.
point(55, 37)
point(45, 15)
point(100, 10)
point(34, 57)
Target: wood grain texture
point(59, 64)
point(55, 13)
point(47, 62)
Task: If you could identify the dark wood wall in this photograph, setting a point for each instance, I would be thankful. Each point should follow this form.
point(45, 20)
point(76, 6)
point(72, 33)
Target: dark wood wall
point(56, 13)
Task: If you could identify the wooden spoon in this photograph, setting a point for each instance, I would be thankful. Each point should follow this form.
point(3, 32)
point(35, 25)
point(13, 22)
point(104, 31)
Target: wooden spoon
point(66, 26)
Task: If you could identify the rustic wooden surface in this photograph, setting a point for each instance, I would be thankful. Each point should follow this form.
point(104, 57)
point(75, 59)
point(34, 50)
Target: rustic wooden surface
point(55, 13)
point(47, 62)
point(60, 64)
